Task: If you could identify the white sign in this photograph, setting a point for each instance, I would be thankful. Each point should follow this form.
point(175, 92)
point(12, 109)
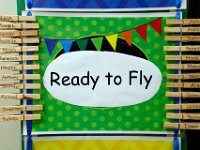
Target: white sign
point(102, 79)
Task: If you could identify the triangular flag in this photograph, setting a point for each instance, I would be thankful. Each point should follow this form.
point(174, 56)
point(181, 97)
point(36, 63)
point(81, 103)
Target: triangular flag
point(97, 42)
point(142, 31)
point(157, 25)
point(127, 36)
point(50, 45)
point(82, 44)
point(66, 44)
point(112, 39)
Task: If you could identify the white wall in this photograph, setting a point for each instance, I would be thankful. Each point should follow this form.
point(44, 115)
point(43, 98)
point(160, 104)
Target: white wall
point(10, 132)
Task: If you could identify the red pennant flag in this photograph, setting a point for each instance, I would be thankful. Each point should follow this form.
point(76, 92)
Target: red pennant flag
point(142, 31)
point(127, 36)
point(157, 25)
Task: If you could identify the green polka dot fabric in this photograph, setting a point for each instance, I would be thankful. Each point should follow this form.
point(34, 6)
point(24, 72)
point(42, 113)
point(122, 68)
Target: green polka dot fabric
point(60, 116)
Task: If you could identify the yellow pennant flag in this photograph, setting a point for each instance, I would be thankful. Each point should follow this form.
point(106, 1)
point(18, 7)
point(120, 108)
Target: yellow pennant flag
point(112, 39)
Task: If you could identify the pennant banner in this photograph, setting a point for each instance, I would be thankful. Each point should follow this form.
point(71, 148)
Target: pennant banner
point(50, 45)
point(66, 44)
point(157, 25)
point(82, 43)
point(112, 39)
point(127, 35)
point(142, 31)
point(97, 42)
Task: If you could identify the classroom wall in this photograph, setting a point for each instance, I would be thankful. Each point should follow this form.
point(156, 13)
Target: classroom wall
point(10, 132)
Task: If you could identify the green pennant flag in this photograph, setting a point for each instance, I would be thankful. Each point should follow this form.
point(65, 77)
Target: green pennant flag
point(97, 42)
point(82, 44)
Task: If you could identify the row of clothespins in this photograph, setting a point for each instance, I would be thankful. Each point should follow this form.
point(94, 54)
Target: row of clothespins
point(15, 32)
point(188, 30)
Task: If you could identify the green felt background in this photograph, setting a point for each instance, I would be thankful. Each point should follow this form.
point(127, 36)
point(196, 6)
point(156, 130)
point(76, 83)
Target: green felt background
point(60, 116)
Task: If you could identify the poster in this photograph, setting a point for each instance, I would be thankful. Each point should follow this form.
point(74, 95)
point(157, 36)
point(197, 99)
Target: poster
point(138, 36)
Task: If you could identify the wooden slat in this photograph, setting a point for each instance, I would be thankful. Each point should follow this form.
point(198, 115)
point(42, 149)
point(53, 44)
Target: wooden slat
point(20, 108)
point(189, 106)
point(19, 40)
point(183, 57)
point(17, 49)
point(18, 58)
point(183, 94)
point(183, 38)
point(19, 67)
point(20, 86)
point(13, 26)
point(183, 84)
point(184, 66)
point(186, 126)
point(20, 117)
point(19, 77)
point(189, 48)
point(17, 18)
point(184, 116)
point(184, 76)
point(19, 96)
point(182, 29)
point(183, 22)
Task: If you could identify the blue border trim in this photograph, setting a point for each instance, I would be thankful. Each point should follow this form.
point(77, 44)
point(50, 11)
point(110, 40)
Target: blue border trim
point(29, 91)
point(177, 100)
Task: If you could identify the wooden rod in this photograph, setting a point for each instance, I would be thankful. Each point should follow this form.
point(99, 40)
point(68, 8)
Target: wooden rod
point(20, 86)
point(19, 117)
point(182, 29)
point(188, 48)
point(19, 40)
point(184, 76)
point(183, 38)
point(184, 66)
point(14, 26)
point(17, 18)
point(183, 116)
point(186, 126)
point(18, 58)
point(8, 33)
point(18, 49)
point(183, 22)
point(189, 106)
point(20, 108)
point(4, 77)
point(183, 57)
point(19, 96)
point(183, 94)
point(183, 84)
point(19, 67)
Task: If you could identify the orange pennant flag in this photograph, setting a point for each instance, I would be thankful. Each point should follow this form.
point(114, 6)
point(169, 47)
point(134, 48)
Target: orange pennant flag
point(127, 35)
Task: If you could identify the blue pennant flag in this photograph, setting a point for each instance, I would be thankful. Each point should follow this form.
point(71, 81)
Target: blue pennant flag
point(66, 44)
point(50, 45)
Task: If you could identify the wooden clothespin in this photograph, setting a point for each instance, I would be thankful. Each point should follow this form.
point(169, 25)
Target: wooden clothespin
point(20, 108)
point(183, 84)
point(189, 48)
point(19, 96)
point(183, 94)
point(183, 57)
point(19, 117)
point(20, 86)
point(18, 49)
point(189, 106)
point(19, 40)
point(4, 77)
point(186, 126)
point(184, 66)
point(183, 22)
point(19, 67)
point(184, 116)
point(184, 76)
point(17, 18)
